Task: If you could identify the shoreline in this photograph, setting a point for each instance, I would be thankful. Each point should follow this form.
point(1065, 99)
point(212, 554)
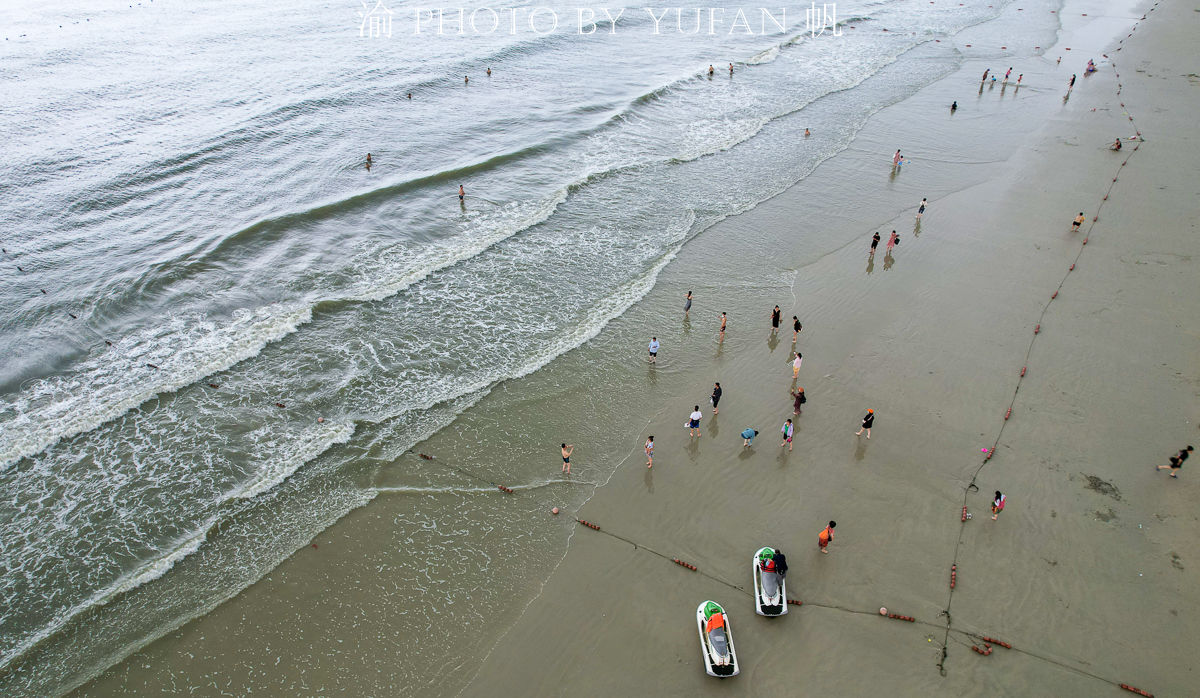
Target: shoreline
point(552, 598)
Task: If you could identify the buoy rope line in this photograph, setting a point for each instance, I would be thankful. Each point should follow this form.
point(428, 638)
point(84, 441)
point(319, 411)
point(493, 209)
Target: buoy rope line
point(1012, 403)
point(972, 636)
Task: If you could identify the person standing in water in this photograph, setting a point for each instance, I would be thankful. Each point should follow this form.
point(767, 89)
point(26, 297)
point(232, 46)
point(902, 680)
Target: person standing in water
point(796, 361)
point(566, 456)
point(731, 69)
point(806, 134)
point(921, 209)
point(825, 537)
point(997, 505)
point(896, 159)
point(954, 107)
point(653, 350)
point(1071, 85)
point(892, 239)
point(466, 79)
point(796, 328)
point(866, 424)
point(716, 397)
point(687, 304)
point(874, 243)
point(1019, 78)
point(798, 393)
point(1008, 74)
point(1078, 221)
point(724, 319)
point(984, 78)
point(694, 421)
point(490, 75)
point(710, 69)
point(461, 192)
point(787, 430)
point(368, 162)
point(775, 320)
point(650, 452)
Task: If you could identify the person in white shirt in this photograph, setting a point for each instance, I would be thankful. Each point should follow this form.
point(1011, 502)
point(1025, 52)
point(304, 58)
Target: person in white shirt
point(653, 349)
point(796, 365)
point(694, 421)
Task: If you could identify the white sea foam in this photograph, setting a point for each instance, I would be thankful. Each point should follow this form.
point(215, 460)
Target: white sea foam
point(280, 457)
point(118, 380)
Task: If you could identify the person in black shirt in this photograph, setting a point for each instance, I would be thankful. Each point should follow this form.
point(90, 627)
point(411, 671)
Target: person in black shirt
point(1177, 461)
point(796, 327)
point(716, 397)
point(866, 423)
point(775, 320)
point(874, 243)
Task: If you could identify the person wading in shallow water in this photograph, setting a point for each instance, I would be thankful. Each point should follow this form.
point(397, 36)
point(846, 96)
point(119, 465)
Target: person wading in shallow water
point(461, 192)
point(368, 162)
point(566, 456)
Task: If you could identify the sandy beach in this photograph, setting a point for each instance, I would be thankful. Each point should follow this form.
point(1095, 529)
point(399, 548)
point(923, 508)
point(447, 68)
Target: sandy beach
point(989, 303)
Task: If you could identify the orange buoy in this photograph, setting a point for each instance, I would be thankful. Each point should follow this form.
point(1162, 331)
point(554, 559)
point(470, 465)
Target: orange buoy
point(554, 510)
point(1138, 691)
point(1037, 329)
point(1054, 296)
point(795, 602)
point(681, 562)
point(1023, 367)
point(897, 616)
point(1072, 268)
point(1008, 413)
point(1085, 241)
point(994, 641)
point(964, 512)
point(592, 525)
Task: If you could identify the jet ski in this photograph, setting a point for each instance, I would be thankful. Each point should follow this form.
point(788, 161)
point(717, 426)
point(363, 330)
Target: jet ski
point(716, 641)
point(770, 589)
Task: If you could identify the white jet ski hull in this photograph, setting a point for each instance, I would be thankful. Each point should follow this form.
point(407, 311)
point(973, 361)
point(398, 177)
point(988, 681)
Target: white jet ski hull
point(713, 669)
point(763, 605)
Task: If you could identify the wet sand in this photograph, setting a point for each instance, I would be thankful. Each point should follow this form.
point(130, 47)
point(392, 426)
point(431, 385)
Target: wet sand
point(1090, 572)
point(932, 338)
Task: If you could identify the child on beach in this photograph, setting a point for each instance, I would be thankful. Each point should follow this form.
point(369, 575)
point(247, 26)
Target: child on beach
point(650, 452)
point(997, 505)
point(787, 430)
point(1176, 461)
point(866, 423)
point(694, 421)
point(825, 537)
point(748, 437)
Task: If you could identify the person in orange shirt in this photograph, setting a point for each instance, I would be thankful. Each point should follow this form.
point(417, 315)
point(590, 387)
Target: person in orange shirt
point(824, 538)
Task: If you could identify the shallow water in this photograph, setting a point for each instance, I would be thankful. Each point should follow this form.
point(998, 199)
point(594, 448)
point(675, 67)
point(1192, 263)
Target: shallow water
point(214, 220)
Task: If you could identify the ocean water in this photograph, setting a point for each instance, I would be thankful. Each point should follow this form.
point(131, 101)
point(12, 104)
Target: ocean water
point(186, 184)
